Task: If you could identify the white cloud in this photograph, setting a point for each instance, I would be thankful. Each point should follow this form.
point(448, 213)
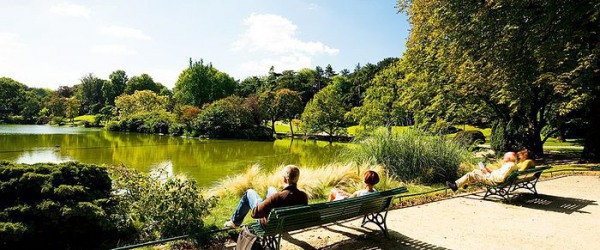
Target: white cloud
point(71, 10)
point(274, 39)
point(113, 50)
point(123, 32)
point(313, 6)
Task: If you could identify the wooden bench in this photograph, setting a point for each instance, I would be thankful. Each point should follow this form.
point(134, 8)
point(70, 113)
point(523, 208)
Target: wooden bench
point(373, 207)
point(526, 179)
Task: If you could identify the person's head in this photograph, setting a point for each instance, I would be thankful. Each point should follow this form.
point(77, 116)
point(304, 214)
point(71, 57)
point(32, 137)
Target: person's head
point(524, 154)
point(290, 174)
point(371, 178)
point(510, 157)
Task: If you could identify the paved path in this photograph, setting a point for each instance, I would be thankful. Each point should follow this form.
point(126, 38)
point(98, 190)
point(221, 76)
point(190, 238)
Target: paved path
point(565, 216)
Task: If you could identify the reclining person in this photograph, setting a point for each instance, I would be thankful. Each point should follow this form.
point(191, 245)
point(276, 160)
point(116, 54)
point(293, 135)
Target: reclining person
point(289, 196)
point(525, 161)
point(484, 175)
point(371, 178)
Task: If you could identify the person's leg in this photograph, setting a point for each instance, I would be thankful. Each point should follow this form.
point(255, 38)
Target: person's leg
point(471, 177)
point(248, 201)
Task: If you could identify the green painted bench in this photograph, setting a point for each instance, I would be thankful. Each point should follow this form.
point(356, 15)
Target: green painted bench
point(373, 207)
point(526, 179)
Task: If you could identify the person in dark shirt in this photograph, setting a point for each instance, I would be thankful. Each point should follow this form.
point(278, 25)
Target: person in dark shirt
point(289, 196)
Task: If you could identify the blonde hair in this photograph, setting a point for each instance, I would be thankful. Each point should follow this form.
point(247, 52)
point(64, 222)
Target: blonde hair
point(291, 173)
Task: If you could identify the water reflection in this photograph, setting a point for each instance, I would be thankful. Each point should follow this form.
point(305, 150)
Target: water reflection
point(204, 160)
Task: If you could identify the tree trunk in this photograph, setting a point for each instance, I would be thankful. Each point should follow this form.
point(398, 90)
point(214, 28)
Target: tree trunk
point(292, 129)
point(591, 148)
point(273, 127)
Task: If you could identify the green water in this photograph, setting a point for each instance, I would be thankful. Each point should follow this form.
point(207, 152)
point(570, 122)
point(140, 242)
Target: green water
point(204, 160)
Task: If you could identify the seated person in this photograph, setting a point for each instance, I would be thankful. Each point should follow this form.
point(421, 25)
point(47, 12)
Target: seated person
point(484, 175)
point(525, 162)
point(289, 196)
point(371, 178)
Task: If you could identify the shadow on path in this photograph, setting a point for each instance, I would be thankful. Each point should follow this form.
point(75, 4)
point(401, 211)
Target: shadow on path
point(376, 240)
point(552, 203)
point(544, 202)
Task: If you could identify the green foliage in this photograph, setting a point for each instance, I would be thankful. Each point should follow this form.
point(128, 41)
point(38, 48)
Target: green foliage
point(382, 106)
point(160, 208)
point(201, 84)
point(89, 92)
point(505, 60)
point(152, 122)
point(57, 206)
point(140, 83)
point(413, 155)
point(508, 136)
point(325, 113)
point(230, 118)
point(140, 101)
point(115, 86)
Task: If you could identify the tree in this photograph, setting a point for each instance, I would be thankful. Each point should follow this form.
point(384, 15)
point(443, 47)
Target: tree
point(11, 95)
point(267, 105)
point(201, 84)
point(288, 104)
point(141, 82)
point(72, 107)
point(382, 106)
point(115, 86)
point(249, 86)
point(140, 101)
point(89, 92)
point(325, 113)
point(518, 61)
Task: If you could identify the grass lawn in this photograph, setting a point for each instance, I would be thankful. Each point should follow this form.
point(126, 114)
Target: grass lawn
point(88, 118)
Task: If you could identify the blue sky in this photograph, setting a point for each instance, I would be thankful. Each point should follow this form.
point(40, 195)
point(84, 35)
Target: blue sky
point(53, 43)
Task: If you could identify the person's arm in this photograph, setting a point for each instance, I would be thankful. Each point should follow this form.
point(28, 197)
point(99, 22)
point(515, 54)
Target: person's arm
point(264, 208)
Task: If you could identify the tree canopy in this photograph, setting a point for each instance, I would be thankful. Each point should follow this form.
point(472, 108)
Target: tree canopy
point(202, 84)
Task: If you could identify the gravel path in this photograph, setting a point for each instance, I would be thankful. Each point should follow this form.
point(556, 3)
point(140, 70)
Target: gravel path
point(565, 215)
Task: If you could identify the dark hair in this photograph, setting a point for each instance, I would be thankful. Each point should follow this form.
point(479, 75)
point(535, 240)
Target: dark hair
point(371, 177)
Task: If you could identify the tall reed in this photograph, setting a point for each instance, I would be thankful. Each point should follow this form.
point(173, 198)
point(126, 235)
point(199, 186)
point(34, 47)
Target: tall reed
point(413, 155)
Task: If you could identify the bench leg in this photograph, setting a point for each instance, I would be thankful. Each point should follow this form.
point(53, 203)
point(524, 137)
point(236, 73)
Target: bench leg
point(271, 242)
point(378, 219)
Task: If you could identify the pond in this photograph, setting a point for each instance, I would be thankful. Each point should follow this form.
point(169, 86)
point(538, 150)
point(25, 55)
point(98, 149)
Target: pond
point(206, 161)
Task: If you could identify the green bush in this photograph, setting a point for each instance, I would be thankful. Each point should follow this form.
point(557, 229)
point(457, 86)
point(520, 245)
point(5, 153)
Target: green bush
point(228, 118)
point(160, 208)
point(508, 136)
point(413, 155)
point(469, 138)
point(113, 126)
point(148, 122)
point(57, 206)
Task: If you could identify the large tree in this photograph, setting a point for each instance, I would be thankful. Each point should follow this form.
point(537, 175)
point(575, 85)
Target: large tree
point(516, 61)
point(142, 82)
point(89, 93)
point(140, 101)
point(115, 86)
point(202, 84)
point(325, 113)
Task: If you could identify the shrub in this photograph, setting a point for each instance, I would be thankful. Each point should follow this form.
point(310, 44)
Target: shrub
point(413, 155)
point(469, 138)
point(56, 206)
point(160, 208)
point(148, 122)
point(113, 126)
point(228, 118)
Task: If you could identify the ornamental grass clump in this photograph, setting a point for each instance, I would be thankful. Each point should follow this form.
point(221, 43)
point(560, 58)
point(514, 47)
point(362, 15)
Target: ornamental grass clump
point(315, 181)
point(413, 155)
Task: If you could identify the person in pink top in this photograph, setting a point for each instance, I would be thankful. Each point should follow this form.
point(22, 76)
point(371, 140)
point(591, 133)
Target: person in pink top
point(371, 178)
point(485, 175)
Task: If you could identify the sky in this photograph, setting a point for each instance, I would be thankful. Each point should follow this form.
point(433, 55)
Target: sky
point(54, 43)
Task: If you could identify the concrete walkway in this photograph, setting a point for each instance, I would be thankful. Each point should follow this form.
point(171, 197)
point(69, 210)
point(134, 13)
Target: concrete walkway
point(565, 215)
